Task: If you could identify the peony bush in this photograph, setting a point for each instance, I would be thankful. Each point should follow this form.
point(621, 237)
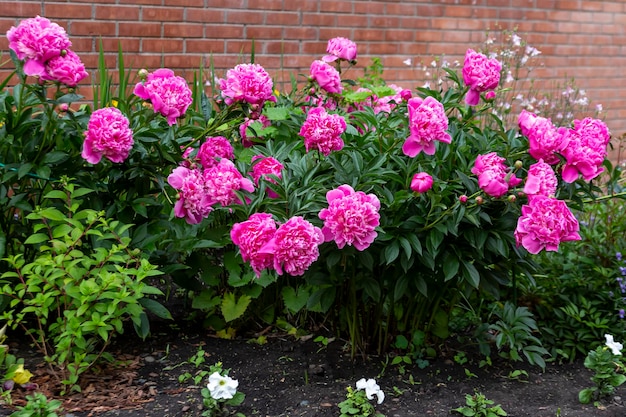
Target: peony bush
point(378, 208)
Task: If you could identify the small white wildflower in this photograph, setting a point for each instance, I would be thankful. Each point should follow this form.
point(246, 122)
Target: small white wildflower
point(582, 93)
point(433, 64)
point(222, 387)
point(524, 59)
point(519, 97)
point(457, 63)
point(371, 388)
point(517, 41)
point(583, 101)
point(599, 108)
point(559, 115)
point(493, 55)
point(428, 73)
point(532, 51)
point(407, 62)
point(426, 84)
point(509, 77)
point(489, 41)
point(615, 347)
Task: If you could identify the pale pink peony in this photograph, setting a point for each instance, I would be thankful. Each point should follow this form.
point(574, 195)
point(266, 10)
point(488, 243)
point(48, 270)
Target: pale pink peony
point(544, 139)
point(222, 182)
point(480, 74)
point(427, 123)
point(169, 94)
point(243, 129)
point(541, 180)
point(193, 202)
point(421, 182)
point(295, 246)
point(67, 69)
point(340, 48)
point(213, 149)
point(326, 76)
point(351, 217)
point(108, 134)
point(493, 176)
point(586, 149)
point(247, 83)
point(265, 168)
point(250, 236)
point(322, 131)
point(545, 222)
point(37, 40)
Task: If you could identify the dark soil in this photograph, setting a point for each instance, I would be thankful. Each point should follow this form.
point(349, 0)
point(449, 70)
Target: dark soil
point(291, 377)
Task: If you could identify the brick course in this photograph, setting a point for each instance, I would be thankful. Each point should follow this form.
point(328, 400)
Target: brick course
point(585, 40)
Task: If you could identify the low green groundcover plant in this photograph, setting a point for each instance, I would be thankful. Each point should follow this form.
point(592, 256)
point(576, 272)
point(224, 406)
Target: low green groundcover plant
point(374, 208)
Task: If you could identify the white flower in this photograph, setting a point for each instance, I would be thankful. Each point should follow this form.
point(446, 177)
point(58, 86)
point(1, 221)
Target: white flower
point(407, 62)
point(517, 41)
point(371, 388)
point(615, 347)
point(599, 108)
point(222, 387)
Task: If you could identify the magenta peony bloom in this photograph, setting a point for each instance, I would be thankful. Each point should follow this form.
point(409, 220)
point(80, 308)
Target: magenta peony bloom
point(108, 134)
point(265, 122)
point(493, 176)
point(295, 246)
point(247, 83)
point(480, 74)
point(421, 182)
point(193, 202)
point(213, 149)
point(322, 131)
point(265, 168)
point(37, 40)
point(541, 180)
point(223, 181)
point(545, 222)
point(586, 149)
point(544, 139)
point(427, 123)
point(351, 217)
point(67, 69)
point(340, 48)
point(250, 236)
point(169, 94)
point(326, 76)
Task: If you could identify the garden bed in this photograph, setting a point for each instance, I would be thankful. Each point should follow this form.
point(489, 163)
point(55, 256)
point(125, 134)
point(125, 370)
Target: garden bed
point(294, 377)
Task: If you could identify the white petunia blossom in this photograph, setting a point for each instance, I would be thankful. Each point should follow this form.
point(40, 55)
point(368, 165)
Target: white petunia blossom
point(371, 388)
point(222, 387)
point(615, 347)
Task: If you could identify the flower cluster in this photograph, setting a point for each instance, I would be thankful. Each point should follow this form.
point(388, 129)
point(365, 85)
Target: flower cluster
point(585, 150)
point(44, 46)
point(427, 123)
point(108, 134)
point(247, 83)
point(544, 139)
point(322, 131)
point(291, 248)
point(494, 177)
point(169, 94)
point(351, 217)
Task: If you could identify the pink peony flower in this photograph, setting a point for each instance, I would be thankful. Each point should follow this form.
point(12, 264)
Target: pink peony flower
point(541, 180)
point(493, 176)
point(250, 236)
point(322, 131)
point(265, 168)
point(544, 139)
point(108, 134)
point(351, 217)
point(223, 181)
point(67, 69)
point(247, 83)
point(340, 48)
point(480, 74)
point(169, 94)
point(586, 149)
point(193, 202)
point(545, 222)
point(427, 123)
point(243, 128)
point(326, 76)
point(213, 149)
point(37, 40)
point(295, 246)
point(421, 182)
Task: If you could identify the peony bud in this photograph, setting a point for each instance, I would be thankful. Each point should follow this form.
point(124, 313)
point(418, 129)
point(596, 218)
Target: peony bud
point(463, 199)
point(479, 200)
point(511, 198)
point(518, 164)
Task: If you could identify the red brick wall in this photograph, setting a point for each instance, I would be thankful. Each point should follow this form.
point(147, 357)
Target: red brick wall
point(581, 39)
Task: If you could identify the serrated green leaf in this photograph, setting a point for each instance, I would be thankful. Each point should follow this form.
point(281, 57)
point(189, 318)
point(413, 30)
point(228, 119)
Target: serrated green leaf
point(232, 308)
